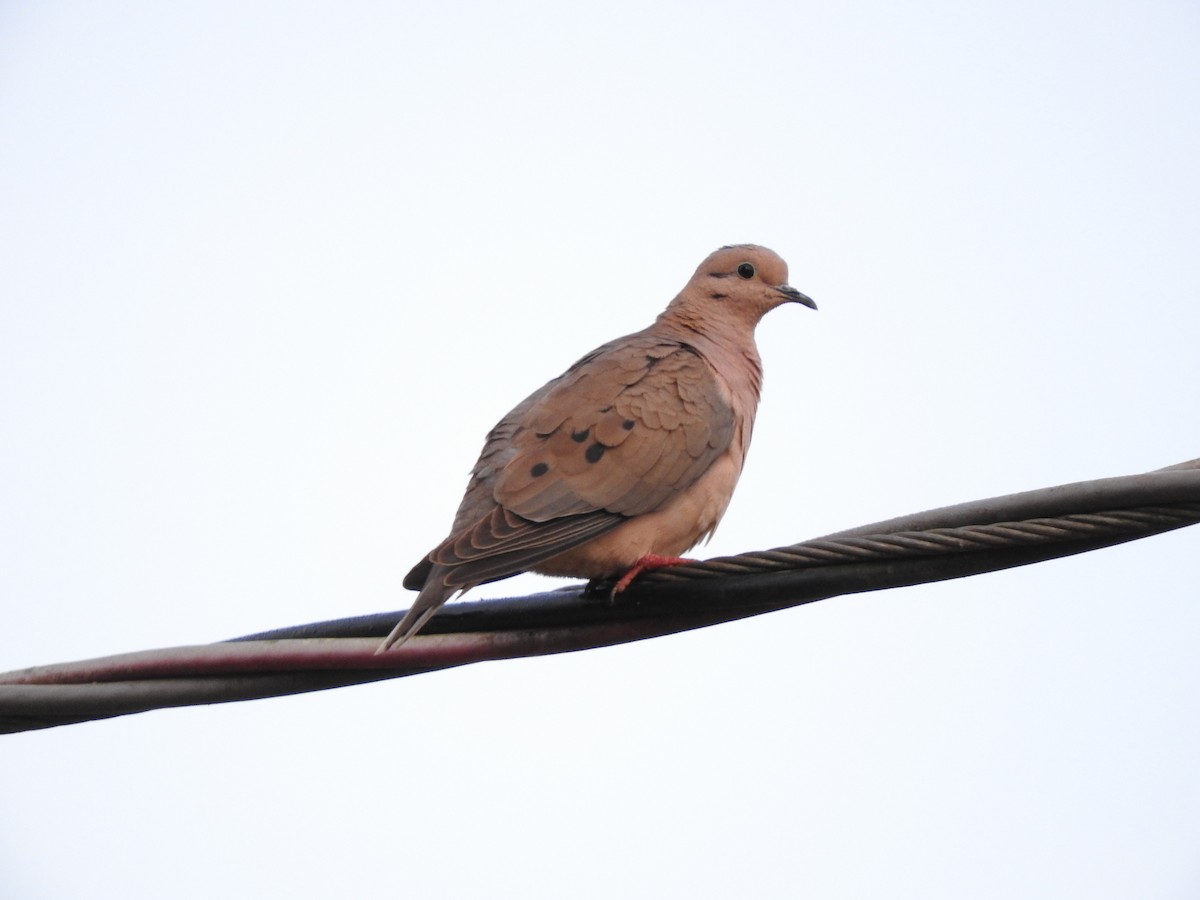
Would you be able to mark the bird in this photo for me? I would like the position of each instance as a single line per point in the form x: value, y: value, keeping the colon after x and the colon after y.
x: 626, y: 460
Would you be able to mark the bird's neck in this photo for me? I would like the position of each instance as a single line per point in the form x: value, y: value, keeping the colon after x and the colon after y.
x: 727, y: 342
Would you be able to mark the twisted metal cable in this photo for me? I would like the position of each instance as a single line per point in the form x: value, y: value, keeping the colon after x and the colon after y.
x: 936, y: 542
x: 934, y: 545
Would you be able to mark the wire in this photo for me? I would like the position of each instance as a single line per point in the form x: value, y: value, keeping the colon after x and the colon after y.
x: 937, y: 541
x: 952, y: 542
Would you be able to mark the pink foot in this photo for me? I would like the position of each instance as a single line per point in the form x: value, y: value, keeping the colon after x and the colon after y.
x: 647, y: 563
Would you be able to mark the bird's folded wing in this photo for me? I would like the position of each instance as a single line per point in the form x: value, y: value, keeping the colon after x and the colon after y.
x: 623, y: 431
x: 620, y: 434
x: 503, y: 544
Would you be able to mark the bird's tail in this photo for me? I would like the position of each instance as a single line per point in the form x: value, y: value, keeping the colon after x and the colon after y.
x: 429, y: 601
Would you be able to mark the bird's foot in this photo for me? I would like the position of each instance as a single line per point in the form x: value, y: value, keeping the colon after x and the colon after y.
x: 597, y: 588
x: 647, y: 563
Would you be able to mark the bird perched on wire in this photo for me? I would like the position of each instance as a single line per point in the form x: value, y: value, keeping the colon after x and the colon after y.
x: 627, y: 459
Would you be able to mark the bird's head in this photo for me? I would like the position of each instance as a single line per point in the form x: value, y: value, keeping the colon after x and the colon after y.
x: 743, y: 281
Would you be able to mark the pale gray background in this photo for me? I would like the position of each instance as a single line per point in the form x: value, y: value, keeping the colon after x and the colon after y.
x: 271, y: 270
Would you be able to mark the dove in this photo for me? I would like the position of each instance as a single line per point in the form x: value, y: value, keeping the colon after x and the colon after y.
x: 626, y: 460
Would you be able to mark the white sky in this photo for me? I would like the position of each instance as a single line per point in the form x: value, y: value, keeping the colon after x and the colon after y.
x: 270, y: 271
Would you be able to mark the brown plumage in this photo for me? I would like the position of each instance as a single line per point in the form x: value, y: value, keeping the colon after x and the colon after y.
x: 630, y: 455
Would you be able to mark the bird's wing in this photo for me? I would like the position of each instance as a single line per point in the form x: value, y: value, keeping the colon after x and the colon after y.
x: 620, y: 434
x: 624, y: 432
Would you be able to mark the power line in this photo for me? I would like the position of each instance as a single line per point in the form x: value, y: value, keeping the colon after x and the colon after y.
x: 952, y: 542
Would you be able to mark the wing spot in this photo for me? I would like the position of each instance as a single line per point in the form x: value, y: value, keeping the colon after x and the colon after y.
x: 579, y: 436
x: 594, y: 452
x: 628, y: 424
x: 539, y: 470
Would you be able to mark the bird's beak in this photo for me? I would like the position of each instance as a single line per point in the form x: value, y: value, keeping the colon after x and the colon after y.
x: 795, y: 296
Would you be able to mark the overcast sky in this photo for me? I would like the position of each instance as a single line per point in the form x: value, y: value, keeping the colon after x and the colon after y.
x: 271, y: 271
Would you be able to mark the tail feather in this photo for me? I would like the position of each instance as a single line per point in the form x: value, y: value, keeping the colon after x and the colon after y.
x: 428, y: 602
x: 415, y: 580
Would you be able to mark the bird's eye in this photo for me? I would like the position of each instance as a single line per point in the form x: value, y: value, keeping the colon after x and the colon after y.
x: 746, y: 270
